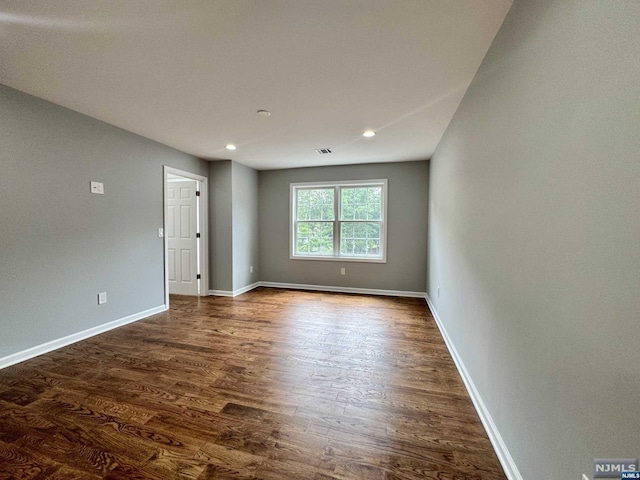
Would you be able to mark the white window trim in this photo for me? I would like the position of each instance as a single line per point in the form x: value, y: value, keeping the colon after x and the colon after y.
x: 338, y: 257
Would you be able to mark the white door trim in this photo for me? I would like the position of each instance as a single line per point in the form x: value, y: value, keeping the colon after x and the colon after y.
x: 204, y: 233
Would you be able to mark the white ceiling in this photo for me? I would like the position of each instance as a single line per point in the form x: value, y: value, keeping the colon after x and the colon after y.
x: 191, y: 74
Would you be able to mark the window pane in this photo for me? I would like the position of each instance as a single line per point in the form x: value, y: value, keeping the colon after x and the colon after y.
x: 374, y: 211
x: 314, y: 204
x: 314, y: 238
x: 361, y: 203
x: 360, y: 239
x: 302, y: 204
x: 315, y: 212
x: 347, y: 211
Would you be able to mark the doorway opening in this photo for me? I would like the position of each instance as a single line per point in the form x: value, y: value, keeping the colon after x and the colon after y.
x: 186, y: 259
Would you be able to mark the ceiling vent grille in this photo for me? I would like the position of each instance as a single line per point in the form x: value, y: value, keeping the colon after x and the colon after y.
x: 323, y: 151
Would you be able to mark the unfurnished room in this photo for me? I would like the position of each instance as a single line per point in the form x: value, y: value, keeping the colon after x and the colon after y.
x: 320, y: 240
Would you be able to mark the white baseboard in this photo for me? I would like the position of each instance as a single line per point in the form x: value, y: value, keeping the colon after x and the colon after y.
x: 506, y: 460
x: 242, y: 290
x: 221, y: 293
x: 330, y: 288
x: 235, y: 293
x: 75, y: 337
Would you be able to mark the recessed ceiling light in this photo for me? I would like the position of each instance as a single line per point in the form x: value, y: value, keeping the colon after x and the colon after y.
x: 264, y: 113
x: 369, y: 133
x: 230, y: 146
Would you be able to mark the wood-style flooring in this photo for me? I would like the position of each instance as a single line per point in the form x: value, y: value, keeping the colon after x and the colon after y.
x: 273, y: 384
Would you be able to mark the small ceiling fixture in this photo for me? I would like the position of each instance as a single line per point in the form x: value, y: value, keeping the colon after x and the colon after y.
x: 369, y: 133
x: 323, y: 151
x: 264, y: 113
x: 230, y: 146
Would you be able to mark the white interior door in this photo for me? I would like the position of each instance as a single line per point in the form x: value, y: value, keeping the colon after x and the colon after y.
x: 181, y: 231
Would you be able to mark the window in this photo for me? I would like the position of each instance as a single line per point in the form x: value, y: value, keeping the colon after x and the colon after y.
x: 339, y: 221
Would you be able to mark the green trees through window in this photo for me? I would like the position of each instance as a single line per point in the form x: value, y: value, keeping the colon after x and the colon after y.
x: 342, y: 220
x: 314, y: 235
x: 361, y: 235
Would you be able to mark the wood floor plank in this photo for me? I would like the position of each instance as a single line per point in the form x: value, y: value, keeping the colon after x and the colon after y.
x: 273, y: 384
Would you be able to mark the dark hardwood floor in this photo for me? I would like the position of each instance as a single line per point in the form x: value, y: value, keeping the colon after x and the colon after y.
x: 273, y: 384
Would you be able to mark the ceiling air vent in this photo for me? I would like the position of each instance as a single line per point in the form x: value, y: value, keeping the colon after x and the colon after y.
x: 323, y: 151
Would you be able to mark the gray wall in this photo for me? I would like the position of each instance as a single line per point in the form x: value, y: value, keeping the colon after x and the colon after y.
x: 534, y: 238
x: 220, y: 226
x: 61, y: 245
x: 407, y: 229
x: 233, y: 207
x: 245, y: 225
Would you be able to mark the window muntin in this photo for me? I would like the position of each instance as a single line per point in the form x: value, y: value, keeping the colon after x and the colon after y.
x: 339, y: 221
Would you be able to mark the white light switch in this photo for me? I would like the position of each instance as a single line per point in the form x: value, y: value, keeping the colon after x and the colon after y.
x: 97, y: 187
x: 161, y: 232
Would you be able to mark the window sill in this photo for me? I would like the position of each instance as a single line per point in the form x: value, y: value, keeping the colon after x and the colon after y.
x: 339, y: 259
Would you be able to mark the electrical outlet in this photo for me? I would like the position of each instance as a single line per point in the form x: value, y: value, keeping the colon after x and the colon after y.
x: 251, y: 269
x: 102, y: 298
x: 343, y: 271
x: 97, y: 187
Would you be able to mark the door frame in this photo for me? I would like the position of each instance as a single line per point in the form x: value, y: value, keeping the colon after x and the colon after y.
x: 203, y: 245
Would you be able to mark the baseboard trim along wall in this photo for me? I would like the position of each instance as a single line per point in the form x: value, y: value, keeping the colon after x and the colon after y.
x: 318, y: 288
x: 330, y: 288
x: 221, y: 293
x: 242, y: 290
x: 235, y: 293
x: 508, y: 464
x: 76, y: 337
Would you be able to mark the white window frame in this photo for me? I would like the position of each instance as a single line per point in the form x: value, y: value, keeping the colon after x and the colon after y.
x: 337, y: 257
